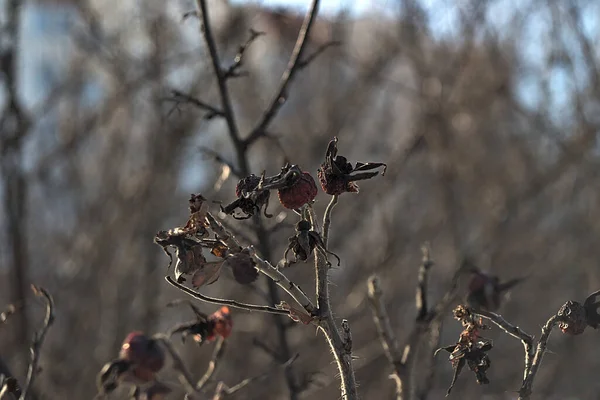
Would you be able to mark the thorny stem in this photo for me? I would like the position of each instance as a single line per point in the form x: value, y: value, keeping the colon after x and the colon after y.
x: 341, y: 349
x: 225, y: 302
x: 513, y: 331
x: 262, y: 266
x: 38, y: 340
x: 327, y: 218
x: 525, y: 391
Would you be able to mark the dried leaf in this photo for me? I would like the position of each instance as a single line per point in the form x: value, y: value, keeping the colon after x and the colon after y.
x: 296, y: 314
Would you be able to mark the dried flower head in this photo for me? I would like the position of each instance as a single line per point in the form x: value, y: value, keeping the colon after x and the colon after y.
x: 304, y: 242
x: 337, y: 175
x: 471, y: 348
x: 250, y: 198
x: 206, y: 328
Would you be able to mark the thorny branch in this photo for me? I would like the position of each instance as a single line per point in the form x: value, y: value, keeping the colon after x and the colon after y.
x: 341, y: 349
x: 180, y: 97
x: 38, y: 340
x: 514, y: 331
x: 262, y: 266
x: 225, y: 302
x: 185, y: 377
x: 526, y: 387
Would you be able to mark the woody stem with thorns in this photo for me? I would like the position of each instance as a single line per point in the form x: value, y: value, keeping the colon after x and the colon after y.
x: 341, y: 346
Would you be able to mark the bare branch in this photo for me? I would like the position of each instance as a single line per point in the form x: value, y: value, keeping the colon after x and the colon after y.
x: 238, y: 61
x: 226, y: 105
x: 185, y: 377
x: 514, y: 331
x: 180, y: 97
x: 220, y: 159
x: 217, y: 355
x: 306, y: 62
x: 525, y: 391
x: 223, y: 390
x: 225, y: 302
x: 386, y: 335
x: 287, y: 77
x: 38, y: 340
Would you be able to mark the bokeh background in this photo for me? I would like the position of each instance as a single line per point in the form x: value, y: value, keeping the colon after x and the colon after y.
x: 486, y: 111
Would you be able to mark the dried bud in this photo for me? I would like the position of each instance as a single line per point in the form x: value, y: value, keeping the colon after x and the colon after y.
x: 572, y: 318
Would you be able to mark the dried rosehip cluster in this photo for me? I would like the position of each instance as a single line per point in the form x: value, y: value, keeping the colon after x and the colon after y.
x: 295, y: 188
x: 336, y: 173
x: 206, y: 328
x: 140, y: 359
x: 575, y: 317
x: 471, y: 348
x: 304, y: 242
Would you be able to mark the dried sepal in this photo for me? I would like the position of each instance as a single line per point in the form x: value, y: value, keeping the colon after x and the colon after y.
x: 338, y: 176
x: 572, y: 318
x: 305, y: 242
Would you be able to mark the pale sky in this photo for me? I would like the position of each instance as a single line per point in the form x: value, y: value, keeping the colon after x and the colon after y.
x: 329, y: 6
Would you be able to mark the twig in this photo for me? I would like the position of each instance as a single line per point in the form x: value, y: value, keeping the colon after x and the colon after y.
x: 525, y: 391
x: 38, y: 340
x: 340, y: 349
x: 402, y: 361
x: 222, y: 389
x: 186, y: 98
x: 220, y: 159
x: 225, y: 302
x: 185, y: 377
x: 287, y: 77
x: 305, y: 63
x: 7, y: 313
x: 327, y: 218
x: 238, y: 61
x: 262, y: 265
x: 513, y: 331
x: 386, y: 334
x: 226, y: 105
x: 217, y: 355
